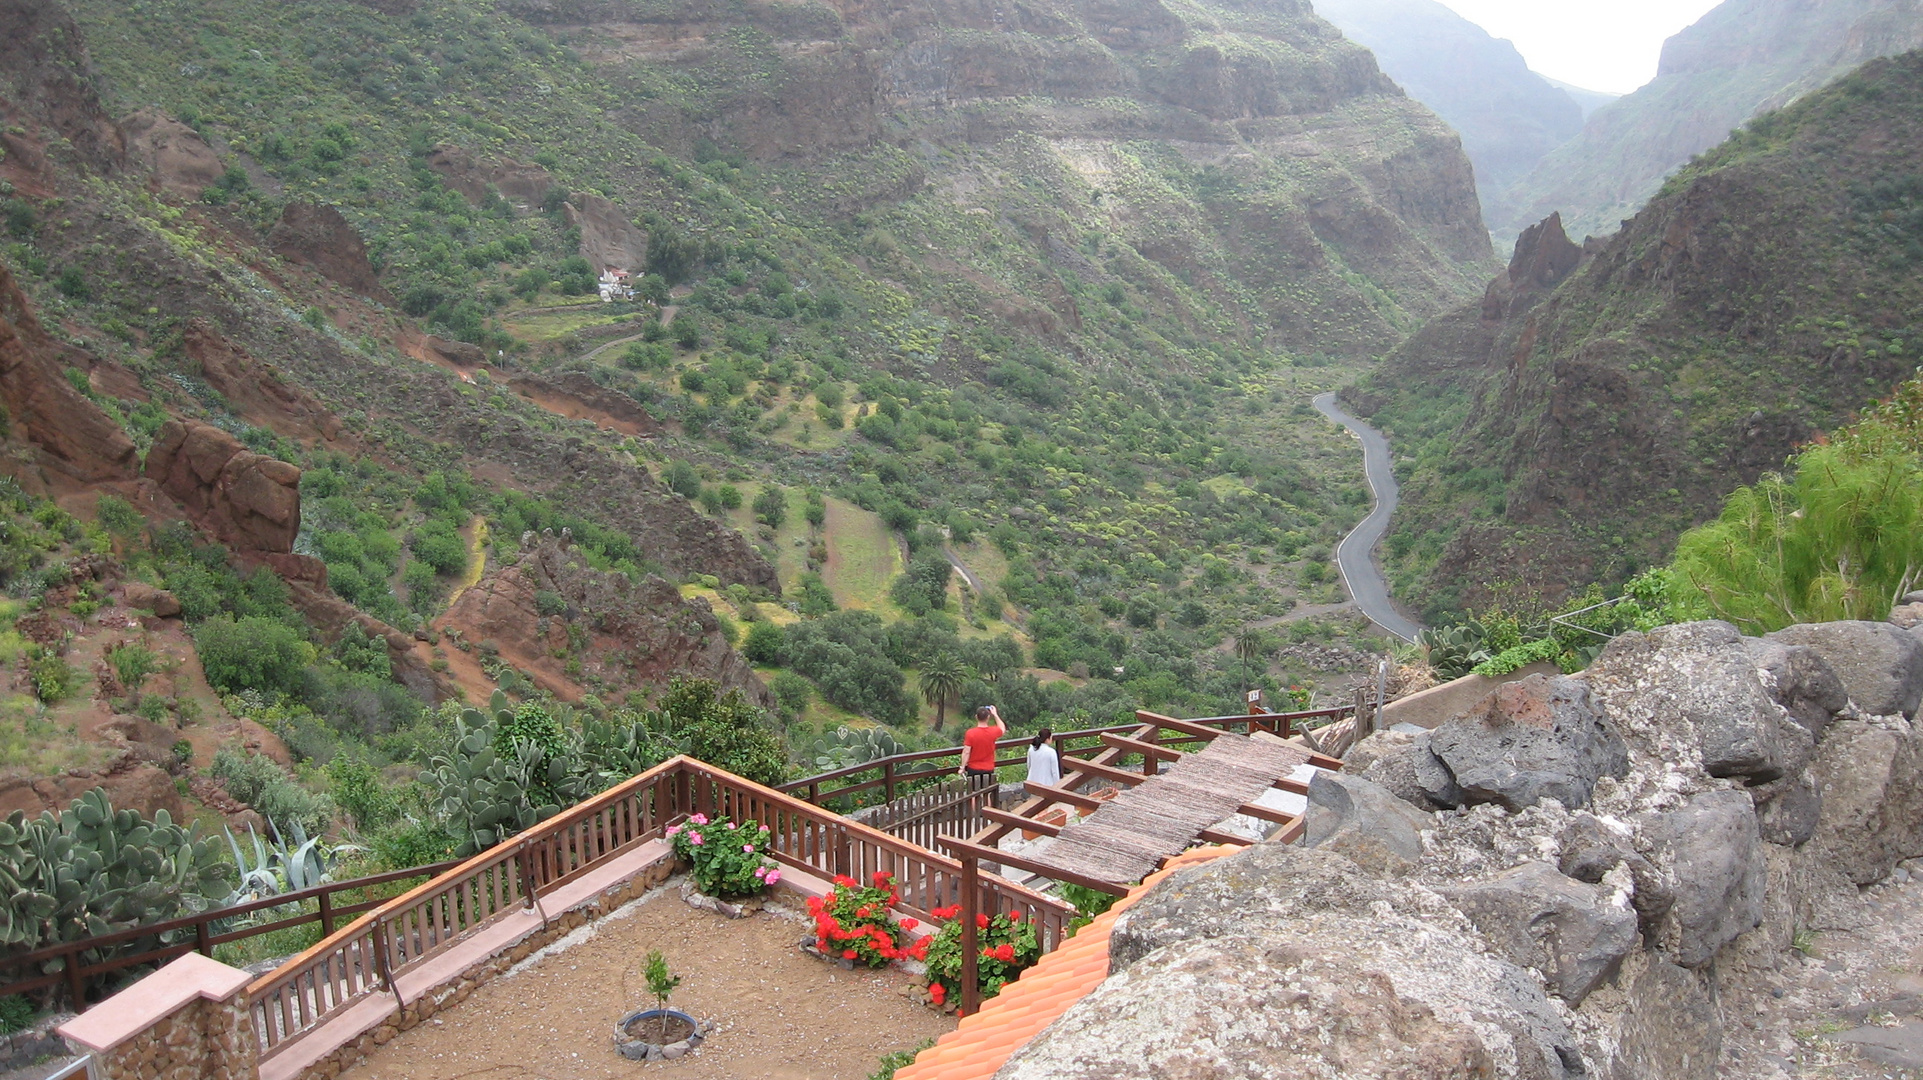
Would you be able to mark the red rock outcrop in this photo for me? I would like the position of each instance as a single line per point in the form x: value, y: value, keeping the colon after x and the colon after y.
x: 523, y: 184
x: 249, y: 501
x: 73, y: 436
x: 608, y: 238
x: 129, y: 783
x: 316, y: 235
x: 255, y: 389
x: 45, y: 74
x: 637, y: 634
x: 182, y: 162
x: 1544, y: 256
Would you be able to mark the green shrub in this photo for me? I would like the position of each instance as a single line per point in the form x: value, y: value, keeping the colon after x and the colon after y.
x: 1521, y: 656
x: 726, y: 859
x: 265, y: 786
x: 764, y: 643
x: 253, y: 653
x: 52, y: 677
x: 132, y: 664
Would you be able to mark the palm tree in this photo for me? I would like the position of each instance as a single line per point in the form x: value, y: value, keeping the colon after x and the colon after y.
x: 1251, y: 646
x: 941, y: 681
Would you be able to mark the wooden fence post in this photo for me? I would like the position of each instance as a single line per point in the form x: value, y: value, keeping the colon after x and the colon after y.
x: 327, y: 914
x: 971, y: 996
x: 75, y: 985
x: 888, y: 777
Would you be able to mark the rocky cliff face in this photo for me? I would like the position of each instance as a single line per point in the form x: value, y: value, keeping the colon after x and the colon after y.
x: 1316, y: 161
x: 1508, y: 115
x: 1743, y: 58
x: 1570, y: 427
x: 64, y: 433
x: 1612, y: 887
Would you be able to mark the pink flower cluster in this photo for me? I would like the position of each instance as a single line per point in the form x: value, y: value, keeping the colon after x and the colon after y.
x: 768, y: 874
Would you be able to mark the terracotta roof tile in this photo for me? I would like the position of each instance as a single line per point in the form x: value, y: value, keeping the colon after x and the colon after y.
x: 983, y: 1043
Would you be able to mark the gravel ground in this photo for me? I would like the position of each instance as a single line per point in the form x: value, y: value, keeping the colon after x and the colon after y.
x: 783, y: 1015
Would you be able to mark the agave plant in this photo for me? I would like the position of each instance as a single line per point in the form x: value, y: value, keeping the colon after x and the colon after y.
x: 289, y: 864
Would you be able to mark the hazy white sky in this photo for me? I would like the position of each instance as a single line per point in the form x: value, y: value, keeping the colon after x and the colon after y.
x: 1609, y: 45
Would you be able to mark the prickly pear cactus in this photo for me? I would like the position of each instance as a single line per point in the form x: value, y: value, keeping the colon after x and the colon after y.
x: 497, y: 782
x: 95, y: 870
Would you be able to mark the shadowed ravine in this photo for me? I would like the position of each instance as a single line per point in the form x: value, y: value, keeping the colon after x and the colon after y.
x: 1355, y: 555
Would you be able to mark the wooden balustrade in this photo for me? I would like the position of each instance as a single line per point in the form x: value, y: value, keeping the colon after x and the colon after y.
x: 365, y: 957
x: 75, y: 971
x: 892, y: 774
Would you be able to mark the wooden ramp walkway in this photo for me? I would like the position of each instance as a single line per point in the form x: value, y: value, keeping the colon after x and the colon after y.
x: 1123, y: 839
x: 1130, y: 836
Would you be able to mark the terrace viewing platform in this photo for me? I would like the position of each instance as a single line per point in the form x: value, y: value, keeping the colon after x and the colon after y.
x: 413, y: 959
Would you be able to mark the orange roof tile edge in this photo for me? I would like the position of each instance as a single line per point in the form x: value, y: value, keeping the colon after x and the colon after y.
x: 983, y: 1043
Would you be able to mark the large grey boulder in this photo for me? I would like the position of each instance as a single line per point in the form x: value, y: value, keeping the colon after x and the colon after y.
x: 1574, y: 933
x: 1688, y: 699
x: 1590, y: 850
x: 1801, y: 681
x: 1671, y: 1029
x: 1251, y: 1008
x: 1333, y: 938
x: 1871, y: 815
x: 1540, y: 738
x: 1388, y: 758
x: 1712, y: 855
x: 1880, y: 665
x: 1365, y: 821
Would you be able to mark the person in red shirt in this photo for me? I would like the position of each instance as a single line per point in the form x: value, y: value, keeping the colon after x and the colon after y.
x: 978, y: 764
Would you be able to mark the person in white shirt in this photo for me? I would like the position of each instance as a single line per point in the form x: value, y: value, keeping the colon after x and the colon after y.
x: 1044, y: 764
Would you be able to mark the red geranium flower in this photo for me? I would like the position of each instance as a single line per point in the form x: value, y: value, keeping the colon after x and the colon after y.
x: 1014, y: 916
x: 1005, y: 953
x: 882, y: 877
x: 849, y: 954
x: 910, y: 924
x: 981, y: 921
x: 937, y: 993
x: 863, y: 912
x: 846, y: 882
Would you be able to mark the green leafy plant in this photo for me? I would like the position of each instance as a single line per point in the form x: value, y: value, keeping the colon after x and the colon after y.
x: 857, y: 922
x: 132, y: 663
x: 16, y: 1014
x: 899, y: 1059
x: 727, y: 859
x: 52, y: 677
x: 661, y: 983
x: 1007, y: 943
x: 1089, y: 903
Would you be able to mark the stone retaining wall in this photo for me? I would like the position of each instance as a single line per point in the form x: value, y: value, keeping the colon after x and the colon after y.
x: 202, y: 1040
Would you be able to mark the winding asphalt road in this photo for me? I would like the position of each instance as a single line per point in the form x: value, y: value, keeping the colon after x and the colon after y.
x: 1355, y: 555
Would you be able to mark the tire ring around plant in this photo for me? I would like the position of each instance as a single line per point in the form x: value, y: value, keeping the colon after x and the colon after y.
x: 643, y: 1050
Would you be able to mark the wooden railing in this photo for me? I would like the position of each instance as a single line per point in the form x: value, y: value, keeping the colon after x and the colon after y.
x: 889, y: 776
x: 75, y: 970
x: 365, y: 957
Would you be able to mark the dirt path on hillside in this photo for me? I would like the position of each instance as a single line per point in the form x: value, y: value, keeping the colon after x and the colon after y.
x: 784, y: 1016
